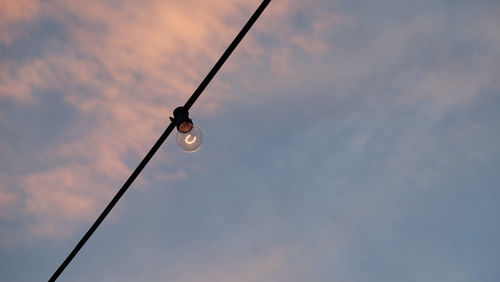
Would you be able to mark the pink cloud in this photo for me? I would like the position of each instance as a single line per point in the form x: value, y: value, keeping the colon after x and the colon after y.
x: 264, y: 265
x: 59, y: 197
x: 123, y: 68
x: 13, y: 14
x: 134, y: 62
x: 8, y: 199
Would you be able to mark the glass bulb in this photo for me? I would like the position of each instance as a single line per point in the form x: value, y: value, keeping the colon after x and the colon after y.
x: 190, y: 141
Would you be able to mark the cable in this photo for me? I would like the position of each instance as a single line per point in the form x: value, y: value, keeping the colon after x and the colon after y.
x: 160, y: 141
x: 226, y: 54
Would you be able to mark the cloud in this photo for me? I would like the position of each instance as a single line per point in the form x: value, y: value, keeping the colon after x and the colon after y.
x: 122, y: 69
x: 372, y: 122
x: 14, y: 14
x: 266, y: 264
x: 8, y: 199
x: 59, y: 196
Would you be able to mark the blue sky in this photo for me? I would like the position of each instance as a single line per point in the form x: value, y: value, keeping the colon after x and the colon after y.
x: 343, y: 141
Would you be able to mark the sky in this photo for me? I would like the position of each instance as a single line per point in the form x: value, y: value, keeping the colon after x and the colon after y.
x: 343, y: 140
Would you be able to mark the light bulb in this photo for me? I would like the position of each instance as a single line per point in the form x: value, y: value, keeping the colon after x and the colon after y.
x: 190, y: 141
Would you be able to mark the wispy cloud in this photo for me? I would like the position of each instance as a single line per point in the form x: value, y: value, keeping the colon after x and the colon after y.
x: 121, y: 68
x: 8, y: 199
x: 337, y: 132
x: 14, y: 16
x: 266, y: 264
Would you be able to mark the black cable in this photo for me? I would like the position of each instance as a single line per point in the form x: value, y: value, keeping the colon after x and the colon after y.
x: 113, y: 202
x: 226, y: 55
x: 160, y: 141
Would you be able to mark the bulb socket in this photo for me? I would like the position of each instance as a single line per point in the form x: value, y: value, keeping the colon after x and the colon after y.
x: 181, y: 118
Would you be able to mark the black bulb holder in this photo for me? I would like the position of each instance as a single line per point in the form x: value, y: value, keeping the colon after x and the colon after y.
x: 182, y: 121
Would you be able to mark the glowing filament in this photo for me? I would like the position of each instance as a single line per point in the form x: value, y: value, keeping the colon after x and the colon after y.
x: 189, y: 142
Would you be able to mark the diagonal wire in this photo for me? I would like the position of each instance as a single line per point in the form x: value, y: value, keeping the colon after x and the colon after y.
x: 226, y: 54
x: 162, y: 139
x: 113, y: 202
